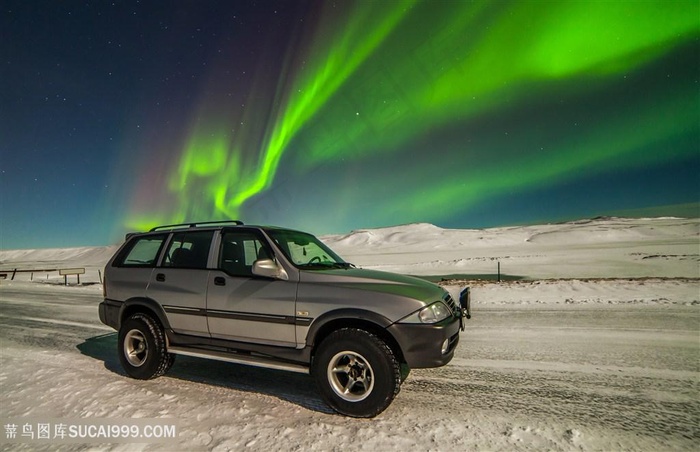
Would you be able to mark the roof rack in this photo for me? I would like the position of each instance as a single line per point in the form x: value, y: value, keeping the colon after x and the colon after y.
x: 196, y: 225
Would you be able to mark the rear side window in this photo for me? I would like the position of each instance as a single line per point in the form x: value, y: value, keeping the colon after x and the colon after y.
x: 189, y: 250
x: 141, y: 252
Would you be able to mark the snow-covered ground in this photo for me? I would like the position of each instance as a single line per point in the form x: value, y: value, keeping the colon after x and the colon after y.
x: 597, y: 348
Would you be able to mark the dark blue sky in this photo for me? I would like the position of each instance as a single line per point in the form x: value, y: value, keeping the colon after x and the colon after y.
x: 329, y: 117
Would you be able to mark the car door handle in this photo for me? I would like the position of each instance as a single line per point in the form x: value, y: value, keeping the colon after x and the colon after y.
x: 160, y: 277
x: 219, y: 281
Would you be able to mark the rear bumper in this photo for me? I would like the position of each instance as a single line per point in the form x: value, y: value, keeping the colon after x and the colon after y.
x: 421, y: 344
x: 109, y: 313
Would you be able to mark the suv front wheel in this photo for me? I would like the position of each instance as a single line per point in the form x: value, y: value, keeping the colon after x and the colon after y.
x: 142, y: 351
x: 357, y: 372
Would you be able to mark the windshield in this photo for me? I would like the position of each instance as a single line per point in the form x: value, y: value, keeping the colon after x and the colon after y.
x: 306, y: 251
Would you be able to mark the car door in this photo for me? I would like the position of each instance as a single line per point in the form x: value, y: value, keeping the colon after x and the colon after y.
x: 245, y: 307
x: 179, y: 283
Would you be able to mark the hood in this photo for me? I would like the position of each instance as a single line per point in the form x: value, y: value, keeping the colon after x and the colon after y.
x: 375, y: 281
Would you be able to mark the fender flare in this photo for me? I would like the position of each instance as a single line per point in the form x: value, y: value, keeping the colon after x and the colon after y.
x: 346, y: 314
x: 147, y: 303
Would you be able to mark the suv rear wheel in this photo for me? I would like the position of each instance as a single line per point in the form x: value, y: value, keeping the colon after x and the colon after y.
x: 142, y: 351
x: 357, y: 373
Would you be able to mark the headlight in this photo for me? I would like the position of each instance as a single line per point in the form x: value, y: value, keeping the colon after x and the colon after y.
x: 434, y: 313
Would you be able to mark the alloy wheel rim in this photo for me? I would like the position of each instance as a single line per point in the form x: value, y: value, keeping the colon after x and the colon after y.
x: 351, y: 376
x: 135, y: 348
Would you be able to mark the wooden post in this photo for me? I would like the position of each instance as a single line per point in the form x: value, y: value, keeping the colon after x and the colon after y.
x: 499, y: 271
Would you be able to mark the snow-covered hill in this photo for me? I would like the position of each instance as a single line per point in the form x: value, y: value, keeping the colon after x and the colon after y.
x: 597, y: 248
x: 43, y: 258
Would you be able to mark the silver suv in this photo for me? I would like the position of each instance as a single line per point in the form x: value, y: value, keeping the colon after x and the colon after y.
x: 278, y: 298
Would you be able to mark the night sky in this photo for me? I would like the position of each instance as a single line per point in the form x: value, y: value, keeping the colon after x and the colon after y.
x: 332, y: 116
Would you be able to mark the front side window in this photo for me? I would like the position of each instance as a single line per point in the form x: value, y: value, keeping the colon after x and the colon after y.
x: 239, y: 250
x: 189, y: 250
x: 305, y: 250
x: 141, y: 252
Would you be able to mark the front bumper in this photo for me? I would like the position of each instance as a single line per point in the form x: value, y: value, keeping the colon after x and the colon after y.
x: 421, y: 344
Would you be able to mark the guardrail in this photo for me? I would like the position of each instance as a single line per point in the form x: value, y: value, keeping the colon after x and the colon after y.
x: 65, y: 272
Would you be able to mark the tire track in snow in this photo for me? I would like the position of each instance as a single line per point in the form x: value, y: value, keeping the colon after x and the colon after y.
x: 649, y: 406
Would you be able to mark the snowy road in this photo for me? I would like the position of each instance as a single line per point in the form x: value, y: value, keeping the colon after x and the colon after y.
x: 554, y: 376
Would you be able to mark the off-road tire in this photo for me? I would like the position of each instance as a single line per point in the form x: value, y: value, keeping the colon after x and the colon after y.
x: 356, y: 372
x: 141, y: 348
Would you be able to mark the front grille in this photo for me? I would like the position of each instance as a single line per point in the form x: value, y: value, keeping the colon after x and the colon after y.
x: 452, y: 305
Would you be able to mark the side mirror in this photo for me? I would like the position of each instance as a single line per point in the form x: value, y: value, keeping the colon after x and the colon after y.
x: 269, y: 269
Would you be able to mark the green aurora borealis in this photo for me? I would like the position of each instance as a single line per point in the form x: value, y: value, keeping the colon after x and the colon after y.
x: 381, y: 113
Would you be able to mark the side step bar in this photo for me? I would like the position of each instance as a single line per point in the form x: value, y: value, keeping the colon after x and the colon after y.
x: 257, y: 361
